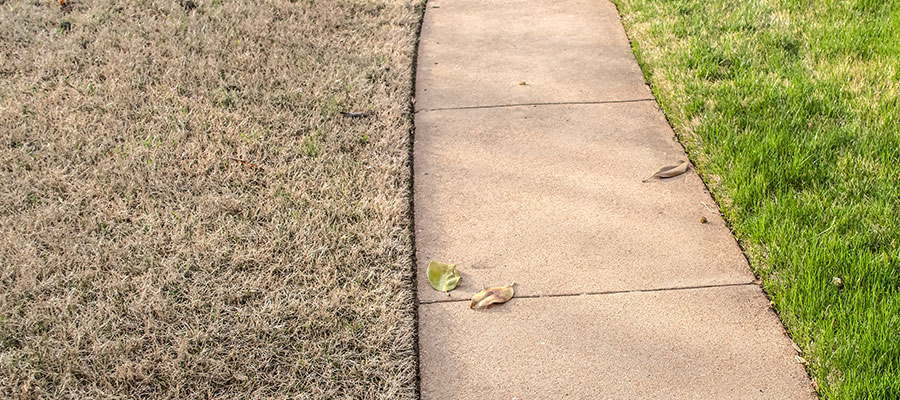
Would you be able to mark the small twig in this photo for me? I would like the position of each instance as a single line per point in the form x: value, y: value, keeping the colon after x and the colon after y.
x: 66, y: 82
x: 357, y: 114
x: 707, y: 208
x: 826, y: 230
x: 247, y: 163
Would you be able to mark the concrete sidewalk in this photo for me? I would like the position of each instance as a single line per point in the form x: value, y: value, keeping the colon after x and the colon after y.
x: 621, y: 291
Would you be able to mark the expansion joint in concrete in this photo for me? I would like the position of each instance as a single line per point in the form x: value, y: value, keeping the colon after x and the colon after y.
x: 558, y: 103
x: 602, y: 293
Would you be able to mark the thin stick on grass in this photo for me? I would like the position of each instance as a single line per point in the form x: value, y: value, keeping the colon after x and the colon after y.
x: 246, y: 163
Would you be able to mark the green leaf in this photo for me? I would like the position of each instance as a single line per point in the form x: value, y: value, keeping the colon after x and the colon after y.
x: 442, y: 276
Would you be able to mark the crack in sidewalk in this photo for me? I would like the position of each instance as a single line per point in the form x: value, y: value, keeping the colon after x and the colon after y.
x: 664, y: 289
x: 561, y: 103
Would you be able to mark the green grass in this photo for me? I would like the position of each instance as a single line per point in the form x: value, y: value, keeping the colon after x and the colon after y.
x: 791, y: 111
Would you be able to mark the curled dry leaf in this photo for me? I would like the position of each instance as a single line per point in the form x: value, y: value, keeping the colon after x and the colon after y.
x: 669, y: 171
x: 492, y: 295
x: 443, y: 277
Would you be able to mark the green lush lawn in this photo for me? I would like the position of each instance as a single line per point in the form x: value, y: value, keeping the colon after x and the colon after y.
x: 791, y: 111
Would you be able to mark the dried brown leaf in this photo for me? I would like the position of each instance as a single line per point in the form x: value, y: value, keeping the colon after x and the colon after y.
x: 492, y: 295
x: 669, y: 171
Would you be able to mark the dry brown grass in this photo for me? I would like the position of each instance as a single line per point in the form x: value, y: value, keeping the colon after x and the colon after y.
x: 185, y: 213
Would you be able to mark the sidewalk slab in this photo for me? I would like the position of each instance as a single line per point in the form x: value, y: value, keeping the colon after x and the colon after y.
x: 621, y: 291
x: 476, y: 52
x: 713, y: 343
x: 551, y: 198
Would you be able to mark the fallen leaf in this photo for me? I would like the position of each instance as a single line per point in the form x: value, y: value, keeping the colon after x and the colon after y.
x: 703, y: 220
x: 522, y: 83
x: 669, y: 171
x: 492, y: 295
x: 443, y: 277
x: 837, y: 282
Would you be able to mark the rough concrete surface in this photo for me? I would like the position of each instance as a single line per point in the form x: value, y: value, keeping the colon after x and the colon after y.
x: 476, y: 52
x: 719, y: 343
x: 621, y: 291
x: 551, y: 197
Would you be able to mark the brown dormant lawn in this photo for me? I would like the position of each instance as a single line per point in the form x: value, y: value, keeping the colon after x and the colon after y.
x: 184, y: 211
